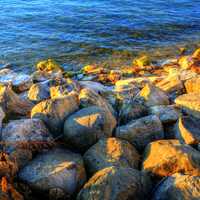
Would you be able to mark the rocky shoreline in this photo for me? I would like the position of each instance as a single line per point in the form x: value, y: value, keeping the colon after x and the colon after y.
x: 100, y: 133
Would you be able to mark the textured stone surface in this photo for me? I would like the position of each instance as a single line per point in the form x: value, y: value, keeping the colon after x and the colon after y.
x: 193, y: 85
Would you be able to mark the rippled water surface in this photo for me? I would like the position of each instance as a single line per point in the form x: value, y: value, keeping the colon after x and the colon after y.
x: 77, y: 32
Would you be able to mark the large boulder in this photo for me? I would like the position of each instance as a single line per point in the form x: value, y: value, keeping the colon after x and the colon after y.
x: 153, y: 96
x: 56, y: 169
x: 178, y: 187
x: 188, y: 130
x: 110, y: 152
x: 193, y: 85
x: 116, y: 183
x: 22, y: 137
x: 142, y: 131
x: 54, y: 111
x: 85, y: 127
x: 190, y: 103
x: 166, y: 157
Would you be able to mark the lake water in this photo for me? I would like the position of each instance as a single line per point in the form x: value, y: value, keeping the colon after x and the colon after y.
x: 78, y: 32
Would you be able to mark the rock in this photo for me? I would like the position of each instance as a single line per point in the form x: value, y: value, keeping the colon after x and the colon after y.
x: 185, y: 62
x: 166, y: 114
x: 166, y: 157
x: 142, y: 131
x: 178, y: 187
x: 188, y: 130
x: 116, y: 183
x: 11, y: 102
x: 54, y: 111
x: 85, y: 127
x: 190, y: 103
x: 25, y: 135
x: 39, y: 91
x: 141, y: 61
x: 19, y: 81
x: 153, y: 96
x: 2, y: 116
x: 193, y: 85
x: 110, y: 152
x: 57, y: 168
x: 196, y: 54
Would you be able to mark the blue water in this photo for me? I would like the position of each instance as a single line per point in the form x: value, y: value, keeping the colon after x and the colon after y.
x: 78, y: 32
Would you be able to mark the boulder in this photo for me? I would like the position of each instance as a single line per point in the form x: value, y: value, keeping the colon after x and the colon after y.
x: 116, y: 183
x: 193, y: 85
x: 56, y: 169
x: 190, y: 103
x: 166, y: 114
x: 22, y: 137
x: 11, y: 102
x: 83, y: 128
x: 188, y: 130
x: 142, y: 131
x: 178, y: 187
x: 54, y: 111
x: 110, y: 152
x: 153, y: 96
x: 166, y: 157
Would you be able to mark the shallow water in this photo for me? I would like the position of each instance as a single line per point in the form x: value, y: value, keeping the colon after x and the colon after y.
x: 78, y: 32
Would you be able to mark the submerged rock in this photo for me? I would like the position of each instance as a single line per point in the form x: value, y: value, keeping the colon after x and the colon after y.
x: 178, y: 187
x: 56, y: 169
x: 142, y: 131
x: 166, y: 157
x: 116, y: 183
x: 85, y: 127
x: 111, y: 152
x: 54, y: 111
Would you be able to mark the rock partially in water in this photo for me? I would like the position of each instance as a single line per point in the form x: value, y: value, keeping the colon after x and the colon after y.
x: 190, y: 103
x: 56, y: 169
x: 188, y: 130
x: 166, y: 114
x: 166, y: 157
x: 54, y: 111
x: 116, y: 183
x: 111, y: 152
x: 193, y: 85
x: 178, y: 187
x: 85, y: 127
x: 142, y: 131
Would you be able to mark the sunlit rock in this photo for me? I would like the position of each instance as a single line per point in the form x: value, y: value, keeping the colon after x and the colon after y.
x: 116, y: 183
x: 193, y: 85
x: 166, y: 157
x: 185, y: 62
x: 196, y: 54
x: 141, y: 61
x: 85, y: 127
x: 56, y: 169
x: 142, y: 131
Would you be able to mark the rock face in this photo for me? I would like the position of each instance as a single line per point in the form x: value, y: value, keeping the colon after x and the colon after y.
x: 22, y: 137
x: 142, y: 131
x: 190, y: 103
x: 166, y: 114
x: 116, y: 183
x: 188, y: 130
x: 85, y: 127
x: 166, y: 157
x: 178, y: 187
x: 193, y: 85
x: 111, y: 152
x: 54, y: 111
x: 56, y: 169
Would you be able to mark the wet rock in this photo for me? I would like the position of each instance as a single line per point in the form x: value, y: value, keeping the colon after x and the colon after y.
x: 190, y: 103
x: 142, y: 131
x: 111, y: 152
x: 178, y: 187
x: 22, y: 137
x: 116, y: 183
x: 57, y: 168
x: 153, y: 96
x: 54, y: 111
x: 166, y: 157
x: 85, y: 127
x: 39, y: 91
x: 166, y: 114
x: 11, y: 102
x: 193, y: 85
x: 188, y: 130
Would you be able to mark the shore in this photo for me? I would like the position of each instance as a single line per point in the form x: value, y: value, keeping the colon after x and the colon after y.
x: 101, y: 133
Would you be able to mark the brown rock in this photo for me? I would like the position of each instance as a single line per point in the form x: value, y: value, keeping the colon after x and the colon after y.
x: 193, y: 85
